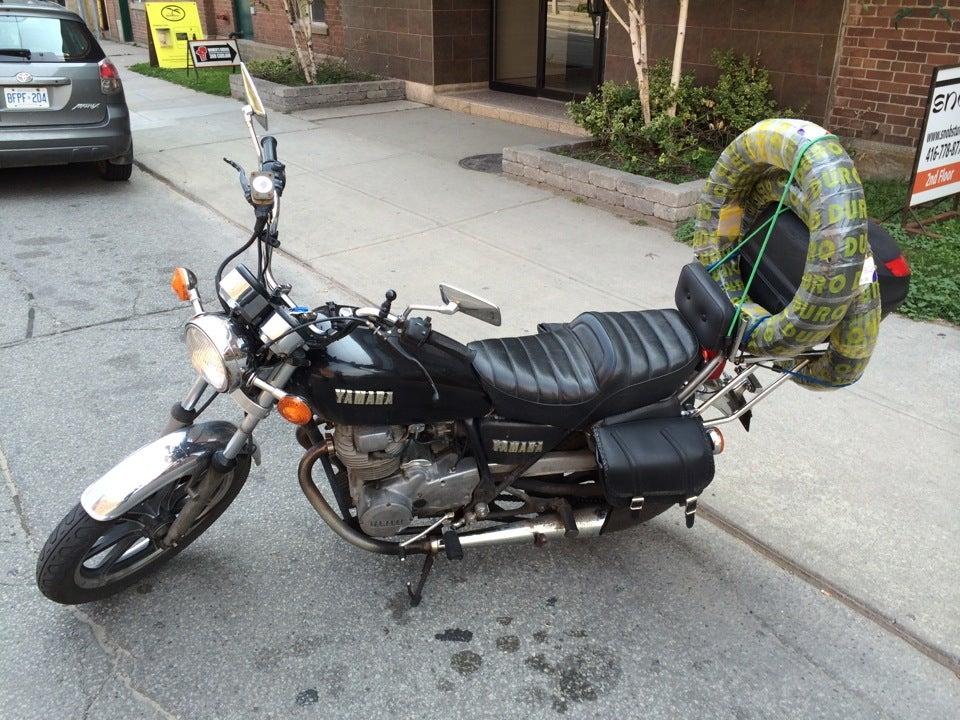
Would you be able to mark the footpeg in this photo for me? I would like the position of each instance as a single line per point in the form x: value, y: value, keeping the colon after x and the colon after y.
x: 691, y: 510
x: 565, y: 510
x: 451, y: 545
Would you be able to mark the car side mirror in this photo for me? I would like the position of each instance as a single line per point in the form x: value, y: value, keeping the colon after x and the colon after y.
x: 470, y: 304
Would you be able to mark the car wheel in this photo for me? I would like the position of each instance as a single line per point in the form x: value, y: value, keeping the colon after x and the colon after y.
x: 112, y: 171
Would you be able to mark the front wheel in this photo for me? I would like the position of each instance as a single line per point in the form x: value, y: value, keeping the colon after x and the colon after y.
x: 85, y: 559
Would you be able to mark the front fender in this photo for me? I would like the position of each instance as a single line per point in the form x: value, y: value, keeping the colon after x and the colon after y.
x: 143, y: 472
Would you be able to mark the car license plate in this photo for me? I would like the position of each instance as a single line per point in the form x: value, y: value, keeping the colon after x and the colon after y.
x: 26, y: 98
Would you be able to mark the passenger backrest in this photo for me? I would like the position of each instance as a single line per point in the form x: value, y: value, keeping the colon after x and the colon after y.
x: 705, y: 307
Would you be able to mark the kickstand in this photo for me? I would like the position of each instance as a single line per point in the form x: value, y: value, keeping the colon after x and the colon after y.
x: 417, y: 595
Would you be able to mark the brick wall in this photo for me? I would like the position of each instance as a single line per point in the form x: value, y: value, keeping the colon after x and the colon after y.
x: 461, y: 30
x: 114, y: 31
x: 138, y: 20
x: 796, y: 40
x: 217, y: 17
x: 393, y: 38
x: 884, y: 72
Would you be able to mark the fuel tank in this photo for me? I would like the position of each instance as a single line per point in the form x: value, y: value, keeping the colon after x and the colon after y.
x: 361, y: 380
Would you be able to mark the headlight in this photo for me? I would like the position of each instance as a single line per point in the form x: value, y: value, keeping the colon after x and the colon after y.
x: 217, y: 351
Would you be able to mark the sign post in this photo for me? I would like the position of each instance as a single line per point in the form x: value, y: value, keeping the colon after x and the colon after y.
x: 214, y: 53
x: 936, y: 169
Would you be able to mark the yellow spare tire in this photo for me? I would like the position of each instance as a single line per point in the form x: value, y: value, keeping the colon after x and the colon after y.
x: 838, y: 297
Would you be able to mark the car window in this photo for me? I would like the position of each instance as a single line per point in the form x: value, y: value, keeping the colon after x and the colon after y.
x: 48, y: 39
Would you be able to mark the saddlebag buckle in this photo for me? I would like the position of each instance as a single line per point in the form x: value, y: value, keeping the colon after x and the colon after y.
x: 690, y: 510
x: 637, y: 503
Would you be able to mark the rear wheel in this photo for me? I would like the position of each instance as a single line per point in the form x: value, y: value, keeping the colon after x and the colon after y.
x: 114, y: 172
x: 85, y: 559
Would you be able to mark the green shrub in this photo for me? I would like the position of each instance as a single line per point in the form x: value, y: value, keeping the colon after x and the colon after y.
x: 285, y: 70
x: 740, y: 99
x: 706, y: 120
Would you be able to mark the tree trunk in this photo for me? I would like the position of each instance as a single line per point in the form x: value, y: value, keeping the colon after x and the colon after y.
x: 298, y: 17
x: 678, y: 53
x: 638, y: 43
x: 635, y: 25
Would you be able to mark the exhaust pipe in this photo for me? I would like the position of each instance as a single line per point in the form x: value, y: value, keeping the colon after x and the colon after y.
x: 589, y: 521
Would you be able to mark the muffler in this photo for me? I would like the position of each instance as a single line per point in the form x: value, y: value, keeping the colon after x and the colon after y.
x: 589, y: 521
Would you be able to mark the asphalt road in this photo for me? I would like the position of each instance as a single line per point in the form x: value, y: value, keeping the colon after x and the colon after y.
x: 268, y: 615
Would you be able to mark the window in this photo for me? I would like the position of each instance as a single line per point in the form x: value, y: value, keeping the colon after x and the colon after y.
x: 318, y: 11
x: 46, y: 39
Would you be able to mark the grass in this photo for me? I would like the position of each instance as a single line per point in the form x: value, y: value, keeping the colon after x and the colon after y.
x: 213, y: 81
x: 935, y: 262
x: 283, y: 70
x: 647, y: 165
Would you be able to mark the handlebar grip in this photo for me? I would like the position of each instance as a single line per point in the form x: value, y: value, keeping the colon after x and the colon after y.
x: 269, y: 145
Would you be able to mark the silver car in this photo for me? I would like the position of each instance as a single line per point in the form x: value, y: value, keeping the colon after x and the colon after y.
x: 61, y: 99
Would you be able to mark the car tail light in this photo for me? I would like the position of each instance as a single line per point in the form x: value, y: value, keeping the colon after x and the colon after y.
x: 109, y: 78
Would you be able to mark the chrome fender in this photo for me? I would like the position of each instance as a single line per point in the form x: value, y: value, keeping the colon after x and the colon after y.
x: 183, y: 452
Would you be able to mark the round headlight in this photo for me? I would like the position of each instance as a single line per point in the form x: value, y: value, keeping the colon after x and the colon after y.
x: 217, y: 351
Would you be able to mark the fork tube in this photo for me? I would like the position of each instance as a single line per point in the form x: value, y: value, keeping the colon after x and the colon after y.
x: 184, y: 412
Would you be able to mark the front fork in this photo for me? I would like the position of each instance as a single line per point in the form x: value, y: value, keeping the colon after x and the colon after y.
x: 223, y: 461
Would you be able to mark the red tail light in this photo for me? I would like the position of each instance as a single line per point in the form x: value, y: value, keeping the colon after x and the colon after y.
x: 709, y: 355
x: 109, y: 78
x: 898, y: 266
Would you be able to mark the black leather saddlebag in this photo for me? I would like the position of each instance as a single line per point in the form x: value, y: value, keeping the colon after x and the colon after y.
x: 664, y: 457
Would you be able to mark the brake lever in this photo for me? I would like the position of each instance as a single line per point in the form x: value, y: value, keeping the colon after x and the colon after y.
x: 244, y: 182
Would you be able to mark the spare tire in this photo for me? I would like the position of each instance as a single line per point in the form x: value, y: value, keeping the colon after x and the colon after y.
x: 837, y: 299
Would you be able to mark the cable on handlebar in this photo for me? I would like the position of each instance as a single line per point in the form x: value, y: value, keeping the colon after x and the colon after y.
x: 257, y: 230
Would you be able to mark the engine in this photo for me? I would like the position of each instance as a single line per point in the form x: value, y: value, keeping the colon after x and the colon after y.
x: 400, y: 472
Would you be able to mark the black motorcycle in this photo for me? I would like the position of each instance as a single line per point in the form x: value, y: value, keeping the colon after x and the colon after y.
x: 429, y: 446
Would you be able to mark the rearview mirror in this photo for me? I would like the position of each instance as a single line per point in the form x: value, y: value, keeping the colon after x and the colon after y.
x: 470, y: 304
x: 253, y: 97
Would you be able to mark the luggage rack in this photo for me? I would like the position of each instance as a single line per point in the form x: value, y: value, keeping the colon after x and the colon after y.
x: 746, y: 367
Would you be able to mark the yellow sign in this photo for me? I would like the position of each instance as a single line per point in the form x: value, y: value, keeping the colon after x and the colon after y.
x: 172, y: 26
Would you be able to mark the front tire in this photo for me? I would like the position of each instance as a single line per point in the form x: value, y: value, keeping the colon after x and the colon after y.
x: 127, y: 546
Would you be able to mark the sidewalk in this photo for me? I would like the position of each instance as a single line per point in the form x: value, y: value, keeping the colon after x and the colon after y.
x: 854, y: 486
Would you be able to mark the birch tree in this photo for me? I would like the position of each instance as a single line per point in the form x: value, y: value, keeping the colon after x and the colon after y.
x: 298, y: 16
x: 678, y: 53
x: 634, y: 22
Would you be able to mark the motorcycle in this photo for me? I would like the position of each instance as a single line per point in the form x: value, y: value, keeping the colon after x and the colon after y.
x: 429, y: 446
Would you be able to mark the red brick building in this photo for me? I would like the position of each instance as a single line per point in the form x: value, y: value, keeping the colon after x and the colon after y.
x: 861, y: 67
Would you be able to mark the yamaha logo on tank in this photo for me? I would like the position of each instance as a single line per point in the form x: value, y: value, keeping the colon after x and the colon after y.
x: 363, y: 397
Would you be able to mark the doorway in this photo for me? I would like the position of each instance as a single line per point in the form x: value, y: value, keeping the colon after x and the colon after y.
x: 552, y: 48
x: 243, y: 20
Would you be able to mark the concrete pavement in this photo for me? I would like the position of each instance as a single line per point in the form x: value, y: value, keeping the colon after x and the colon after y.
x: 269, y: 615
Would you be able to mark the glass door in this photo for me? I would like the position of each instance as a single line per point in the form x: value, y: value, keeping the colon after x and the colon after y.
x: 516, y: 45
x: 570, y: 48
x: 552, y: 48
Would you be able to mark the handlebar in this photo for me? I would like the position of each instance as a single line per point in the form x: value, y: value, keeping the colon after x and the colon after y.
x: 269, y: 145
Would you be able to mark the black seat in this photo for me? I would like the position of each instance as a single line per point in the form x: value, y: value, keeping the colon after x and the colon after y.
x: 598, y: 365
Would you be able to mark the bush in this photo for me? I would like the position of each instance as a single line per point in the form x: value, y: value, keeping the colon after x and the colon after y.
x: 740, y: 99
x: 285, y: 70
x: 707, y: 118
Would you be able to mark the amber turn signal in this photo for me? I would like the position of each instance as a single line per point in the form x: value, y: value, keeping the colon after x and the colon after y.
x: 294, y: 410
x: 180, y: 283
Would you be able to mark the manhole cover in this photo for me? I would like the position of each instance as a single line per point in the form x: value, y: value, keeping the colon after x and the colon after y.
x: 489, y: 163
